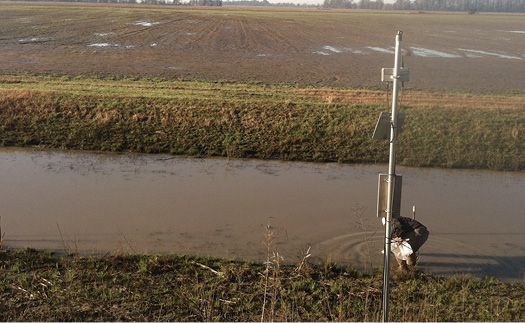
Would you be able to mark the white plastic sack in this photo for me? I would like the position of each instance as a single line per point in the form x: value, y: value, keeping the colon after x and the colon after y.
x: 401, y: 249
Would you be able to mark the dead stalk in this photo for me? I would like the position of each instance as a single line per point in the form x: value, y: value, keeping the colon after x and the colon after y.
x: 304, y: 259
x: 127, y: 242
x: 268, y: 243
x: 218, y: 273
x: 64, y: 245
x: 273, y: 261
x: 358, y: 211
x: 1, y: 235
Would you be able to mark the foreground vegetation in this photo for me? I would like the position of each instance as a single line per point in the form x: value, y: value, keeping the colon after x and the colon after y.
x: 259, y: 121
x: 41, y: 286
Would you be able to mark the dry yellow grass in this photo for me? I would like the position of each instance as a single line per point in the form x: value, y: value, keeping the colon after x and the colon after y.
x: 416, y: 98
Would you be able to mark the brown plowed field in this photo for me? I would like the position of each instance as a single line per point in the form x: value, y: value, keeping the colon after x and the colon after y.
x: 292, y: 46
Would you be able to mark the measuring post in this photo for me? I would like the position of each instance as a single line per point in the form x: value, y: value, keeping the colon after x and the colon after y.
x: 396, y: 76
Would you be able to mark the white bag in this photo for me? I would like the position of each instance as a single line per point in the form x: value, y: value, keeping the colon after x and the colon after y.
x: 401, y: 249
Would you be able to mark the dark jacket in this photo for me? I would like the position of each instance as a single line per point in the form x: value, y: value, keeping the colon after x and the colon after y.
x: 402, y: 227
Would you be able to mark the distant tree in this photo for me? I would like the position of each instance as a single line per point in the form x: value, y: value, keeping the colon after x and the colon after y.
x: 206, y: 2
x: 379, y: 4
x: 470, y: 6
x: 338, y: 4
x: 402, y: 5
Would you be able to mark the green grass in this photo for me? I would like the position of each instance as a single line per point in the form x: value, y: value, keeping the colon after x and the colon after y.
x: 41, y: 286
x: 200, y: 119
x: 251, y: 121
x: 465, y: 138
x: 156, y: 88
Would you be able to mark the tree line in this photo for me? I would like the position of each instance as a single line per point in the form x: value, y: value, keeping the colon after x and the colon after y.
x: 471, y: 6
x: 154, y: 2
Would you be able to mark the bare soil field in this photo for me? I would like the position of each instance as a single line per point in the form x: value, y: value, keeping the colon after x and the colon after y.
x: 335, y: 48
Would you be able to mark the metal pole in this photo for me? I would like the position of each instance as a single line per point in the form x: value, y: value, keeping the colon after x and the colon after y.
x: 391, y: 176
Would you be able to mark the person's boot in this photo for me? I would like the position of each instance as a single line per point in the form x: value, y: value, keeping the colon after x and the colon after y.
x: 402, y: 265
x: 412, y: 260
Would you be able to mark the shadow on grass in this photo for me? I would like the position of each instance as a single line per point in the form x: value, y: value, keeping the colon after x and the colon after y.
x: 507, y: 269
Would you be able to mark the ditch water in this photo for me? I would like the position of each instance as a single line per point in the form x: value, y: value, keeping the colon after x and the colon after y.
x: 98, y: 203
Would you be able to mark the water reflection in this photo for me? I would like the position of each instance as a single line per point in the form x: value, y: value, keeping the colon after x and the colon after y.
x: 94, y: 202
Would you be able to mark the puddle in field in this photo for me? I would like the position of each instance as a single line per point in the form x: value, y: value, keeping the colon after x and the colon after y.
x: 35, y: 40
x: 103, y: 45
x: 415, y: 51
x: 482, y: 52
x: 387, y: 50
x: 424, y: 52
x: 107, y: 45
x: 104, y: 34
x: 334, y: 49
x: 93, y: 202
x: 146, y: 23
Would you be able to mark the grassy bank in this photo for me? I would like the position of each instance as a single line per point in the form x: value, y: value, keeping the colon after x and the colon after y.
x: 258, y: 121
x: 40, y: 286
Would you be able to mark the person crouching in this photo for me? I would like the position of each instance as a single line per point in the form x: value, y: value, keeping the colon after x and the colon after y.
x: 407, y: 230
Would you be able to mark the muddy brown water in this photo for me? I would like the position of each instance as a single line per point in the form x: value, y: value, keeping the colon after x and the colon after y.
x: 98, y: 203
